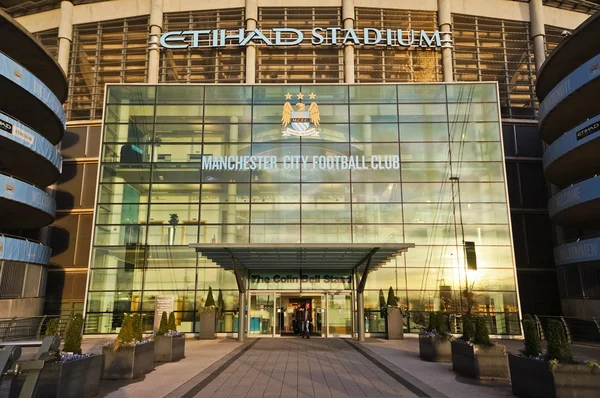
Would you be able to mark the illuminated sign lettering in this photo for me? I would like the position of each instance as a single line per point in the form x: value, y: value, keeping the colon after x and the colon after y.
x: 292, y: 37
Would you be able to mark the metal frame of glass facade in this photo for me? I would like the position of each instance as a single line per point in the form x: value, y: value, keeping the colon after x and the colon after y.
x: 154, y: 139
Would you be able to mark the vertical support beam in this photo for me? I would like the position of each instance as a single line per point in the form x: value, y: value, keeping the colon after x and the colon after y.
x: 242, y: 317
x: 445, y: 26
x: 65, y: 34
x: 348, y: 22
x: 251, y: 21
x: 360, y: 302
x: 156, y: 27
x: 538, y: 32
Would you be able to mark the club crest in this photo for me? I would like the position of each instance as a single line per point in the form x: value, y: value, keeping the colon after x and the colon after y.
x: 301, y: 118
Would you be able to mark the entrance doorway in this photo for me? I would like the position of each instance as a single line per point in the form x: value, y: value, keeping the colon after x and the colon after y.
x: 275, y: 314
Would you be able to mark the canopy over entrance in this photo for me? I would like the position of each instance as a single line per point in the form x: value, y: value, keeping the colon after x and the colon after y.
x: 299, y: 256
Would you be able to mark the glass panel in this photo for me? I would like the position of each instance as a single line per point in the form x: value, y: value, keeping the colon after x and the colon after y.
x: 129, y: 113
x: 471, y: 92
x: 228, y: 113
x: 170, y: 133
x: 275, y: 193
x: 470, y: 112
x: 179, y: 114
x: 285, y: 233
x: 261, y: 314
x: 225, y: 94
x: 374, y: 132
x: 128, y: 132
x: 275, y: 214
x: 378, y: 233
x: 373, y: 113
x: 326, y: 192
x: 326, y: 233
x: 377, y: 213
x: 175, y: 193
x: 373, y: 94
x: 422, y: 113
x: 421, y: 93
x: 131, y: 94
x: 326, y: 213
x: 227, y: 133
x: 475, y: 131
x: 121, y: 214
x: 424, y: 132
x: 339, y: 317
x: 180, y: 94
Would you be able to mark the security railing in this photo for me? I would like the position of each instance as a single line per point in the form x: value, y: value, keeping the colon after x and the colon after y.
x: 23, y: 328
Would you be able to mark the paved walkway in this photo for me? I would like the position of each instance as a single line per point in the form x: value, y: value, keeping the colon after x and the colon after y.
x: 319, y: 367
x: 272, y: 368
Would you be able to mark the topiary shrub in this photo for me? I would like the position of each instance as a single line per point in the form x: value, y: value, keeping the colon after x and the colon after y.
x: 171, y: 325
x: 468, y: 328
x: 392, y: 300
x: 163, y: 327
x: 382, y: 304
x: 136, y: 323
x: 53, y: 327
x: 126, y: 333
x: 533, y: 347
x: 558, y: 348
x: 431, y: 323
x: 73, y: 334
x: 482, y: 335
x: 210, y: 301
x: 440, y: 323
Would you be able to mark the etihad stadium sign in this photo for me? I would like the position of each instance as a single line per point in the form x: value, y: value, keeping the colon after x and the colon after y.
x: 292, y: 37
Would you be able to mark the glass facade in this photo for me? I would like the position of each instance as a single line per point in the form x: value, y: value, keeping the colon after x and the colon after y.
x: 151, y: 172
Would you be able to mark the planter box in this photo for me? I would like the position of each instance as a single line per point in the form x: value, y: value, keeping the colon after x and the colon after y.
x: 532, y: 378
x: 169, y: 348
x: 128, y: 362
x: 78, y: 378
x: 479, y: 362
x: 395, y: 323
x: 206, y: 331
x: 433, y: 349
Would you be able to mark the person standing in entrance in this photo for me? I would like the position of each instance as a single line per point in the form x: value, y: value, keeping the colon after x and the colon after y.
x: 307, y: 321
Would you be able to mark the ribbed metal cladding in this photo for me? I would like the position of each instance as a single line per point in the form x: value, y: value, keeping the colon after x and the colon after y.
x: 203, y: 65
x: 11, y: 282
x: 383, y: 64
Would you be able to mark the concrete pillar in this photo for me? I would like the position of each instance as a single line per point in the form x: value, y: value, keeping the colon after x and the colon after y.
x: 65, y: 34
x: 348, y: 22
x: 445, y: 26
x: 538, y: 32
x: 251, y: 21
x: 360, y: 312
x: 156, y: 28
x: 242, y: 317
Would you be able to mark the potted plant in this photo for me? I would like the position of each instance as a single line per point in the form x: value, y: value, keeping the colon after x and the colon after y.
x: 207, y: 317
x: 129, y: 356
x: 169, y: 344
x: 72, y: 374
x: 395, y: 323
x: 53, y: 327
x: 434, y: 342
x: 556, y: 374
x: 383, y: 311
x: 479, y: 358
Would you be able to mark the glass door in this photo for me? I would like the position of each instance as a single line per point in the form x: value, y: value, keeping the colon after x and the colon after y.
x: 261, y: 314
x: 339, y: 315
